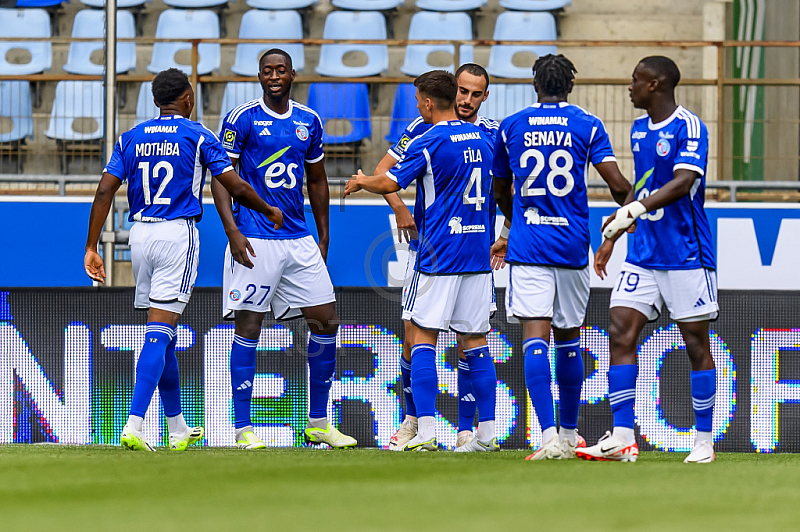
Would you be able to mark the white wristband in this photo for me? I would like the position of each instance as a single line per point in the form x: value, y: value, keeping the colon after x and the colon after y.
x: 504, y: 232
x: 624, y: 218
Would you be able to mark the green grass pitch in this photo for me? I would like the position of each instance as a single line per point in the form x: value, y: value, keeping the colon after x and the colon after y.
x: 46, y: 487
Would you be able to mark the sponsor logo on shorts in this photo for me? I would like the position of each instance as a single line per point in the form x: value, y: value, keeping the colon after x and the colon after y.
x: 235, y: 295
x: 532, y: 217
x: 301, y: 132
x: 662, y: 147
x: 457, y: 229
x: 228, y: 139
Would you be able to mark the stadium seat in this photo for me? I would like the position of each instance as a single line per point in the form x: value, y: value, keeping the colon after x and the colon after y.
x: 77, y: 101
x: 195, y: 4
x: 344, y: 110
x: 25, y: 23
x: 354, y: 25
x: 257, y: 24
x: 367, y: 5
x: 445, y: 26
x: 89, y: 23
x: 146, y: 107
x: 238, y: 93
x: 505, y: 100
x: 16, y: 107
x: 404, y: 111
x: 450, y: 5
x: 281, y: 4
x: 186, y: 24
x: 39, y: 3
x: 535, y: 5
x: 121, y: 4
x: 517, y: 26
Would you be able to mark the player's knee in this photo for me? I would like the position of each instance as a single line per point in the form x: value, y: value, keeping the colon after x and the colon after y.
x: 622, y: 343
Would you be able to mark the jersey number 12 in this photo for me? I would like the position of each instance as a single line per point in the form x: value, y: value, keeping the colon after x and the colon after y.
x: 144, y: 166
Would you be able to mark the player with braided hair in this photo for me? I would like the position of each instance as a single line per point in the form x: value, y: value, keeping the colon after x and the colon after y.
x: 544, y: 151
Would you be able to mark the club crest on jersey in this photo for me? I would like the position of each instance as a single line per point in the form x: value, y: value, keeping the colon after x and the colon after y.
x: 662, y: 147
x: 228, y: 139
x: 301, y: 132
x: 235, y: 295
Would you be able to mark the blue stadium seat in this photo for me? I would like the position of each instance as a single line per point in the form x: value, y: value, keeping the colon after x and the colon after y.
x: 39, y: 3
x: 89, y: 23
x: 281, y: 4
x: 367, y: 5
x: 146, y: 107
x: 341, y: 102
x: 16, y: 105
x: 450, y: 5
x: 354, y: 25
x: 238, y: 93
x: 76, y: 100
x: 186, y: 24
x: 445, y: 26
x: 518, y: 26
x: 258, y: 24
x: 404, y: 110
x: 195, y: 4
x: 535, y: 5
x: 25, y: 23
x: 505, y: 100
x: 121, y: 4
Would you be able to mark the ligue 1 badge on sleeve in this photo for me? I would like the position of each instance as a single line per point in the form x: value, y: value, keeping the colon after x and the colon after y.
x: 301, y: 132
x: 662, y: 147
x: 228, y: 139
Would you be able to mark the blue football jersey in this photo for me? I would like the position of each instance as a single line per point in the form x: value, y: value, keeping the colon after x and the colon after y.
x: 451, y: 164
x: 272, y: 151
x: 417, y: 128
x: 678, y: 236
x: 165, y: 161
x: 546, y: 149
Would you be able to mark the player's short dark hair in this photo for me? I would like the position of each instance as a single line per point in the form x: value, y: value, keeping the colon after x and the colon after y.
x: 169, y: 85
x: 665, y: 68
x: 275, y: 51
x: 475, y: 70
x: 440, y: 86
x: 554, y: 74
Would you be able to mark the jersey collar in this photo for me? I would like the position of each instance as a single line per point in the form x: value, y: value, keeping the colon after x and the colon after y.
x: 273, y: 114
x: 653, y: 127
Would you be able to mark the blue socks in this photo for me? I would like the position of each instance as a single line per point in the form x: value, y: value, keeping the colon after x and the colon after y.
x: 321, y: 368
x: 569, y: 375
x: 424, y: 378
x: 538, y: 378
x: 466, y: 399
x: 157, y: 338
x: 704, y: 393
x: 405, y: 373
x: 170, y: 384
x: 243, y: 372
x: 484, y: 382
x: 622, y: 393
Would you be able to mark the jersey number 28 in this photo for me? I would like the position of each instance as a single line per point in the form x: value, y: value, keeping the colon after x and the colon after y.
x: 557, y: 169
x: 144, y: 166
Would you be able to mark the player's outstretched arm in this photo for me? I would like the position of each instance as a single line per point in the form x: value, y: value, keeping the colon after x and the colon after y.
x: 319, y: 196
x: 103, y: 200
x: 377, y: 184
x: 245, y: 195
x: 406, y: 227
x: 620, y: 188
x: 240, y: 246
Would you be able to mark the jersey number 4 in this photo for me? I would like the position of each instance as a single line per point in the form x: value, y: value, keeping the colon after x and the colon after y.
x: 144, y: 166
x: 474, y: 181
x: 556, y: 170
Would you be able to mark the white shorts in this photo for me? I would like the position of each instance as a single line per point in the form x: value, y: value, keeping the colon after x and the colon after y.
x: 287, y: 275
x: 690, y: 295
x: 559, y: 294
x: 164, y: 259
x: 460, y: 303
x: 409, y: 276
